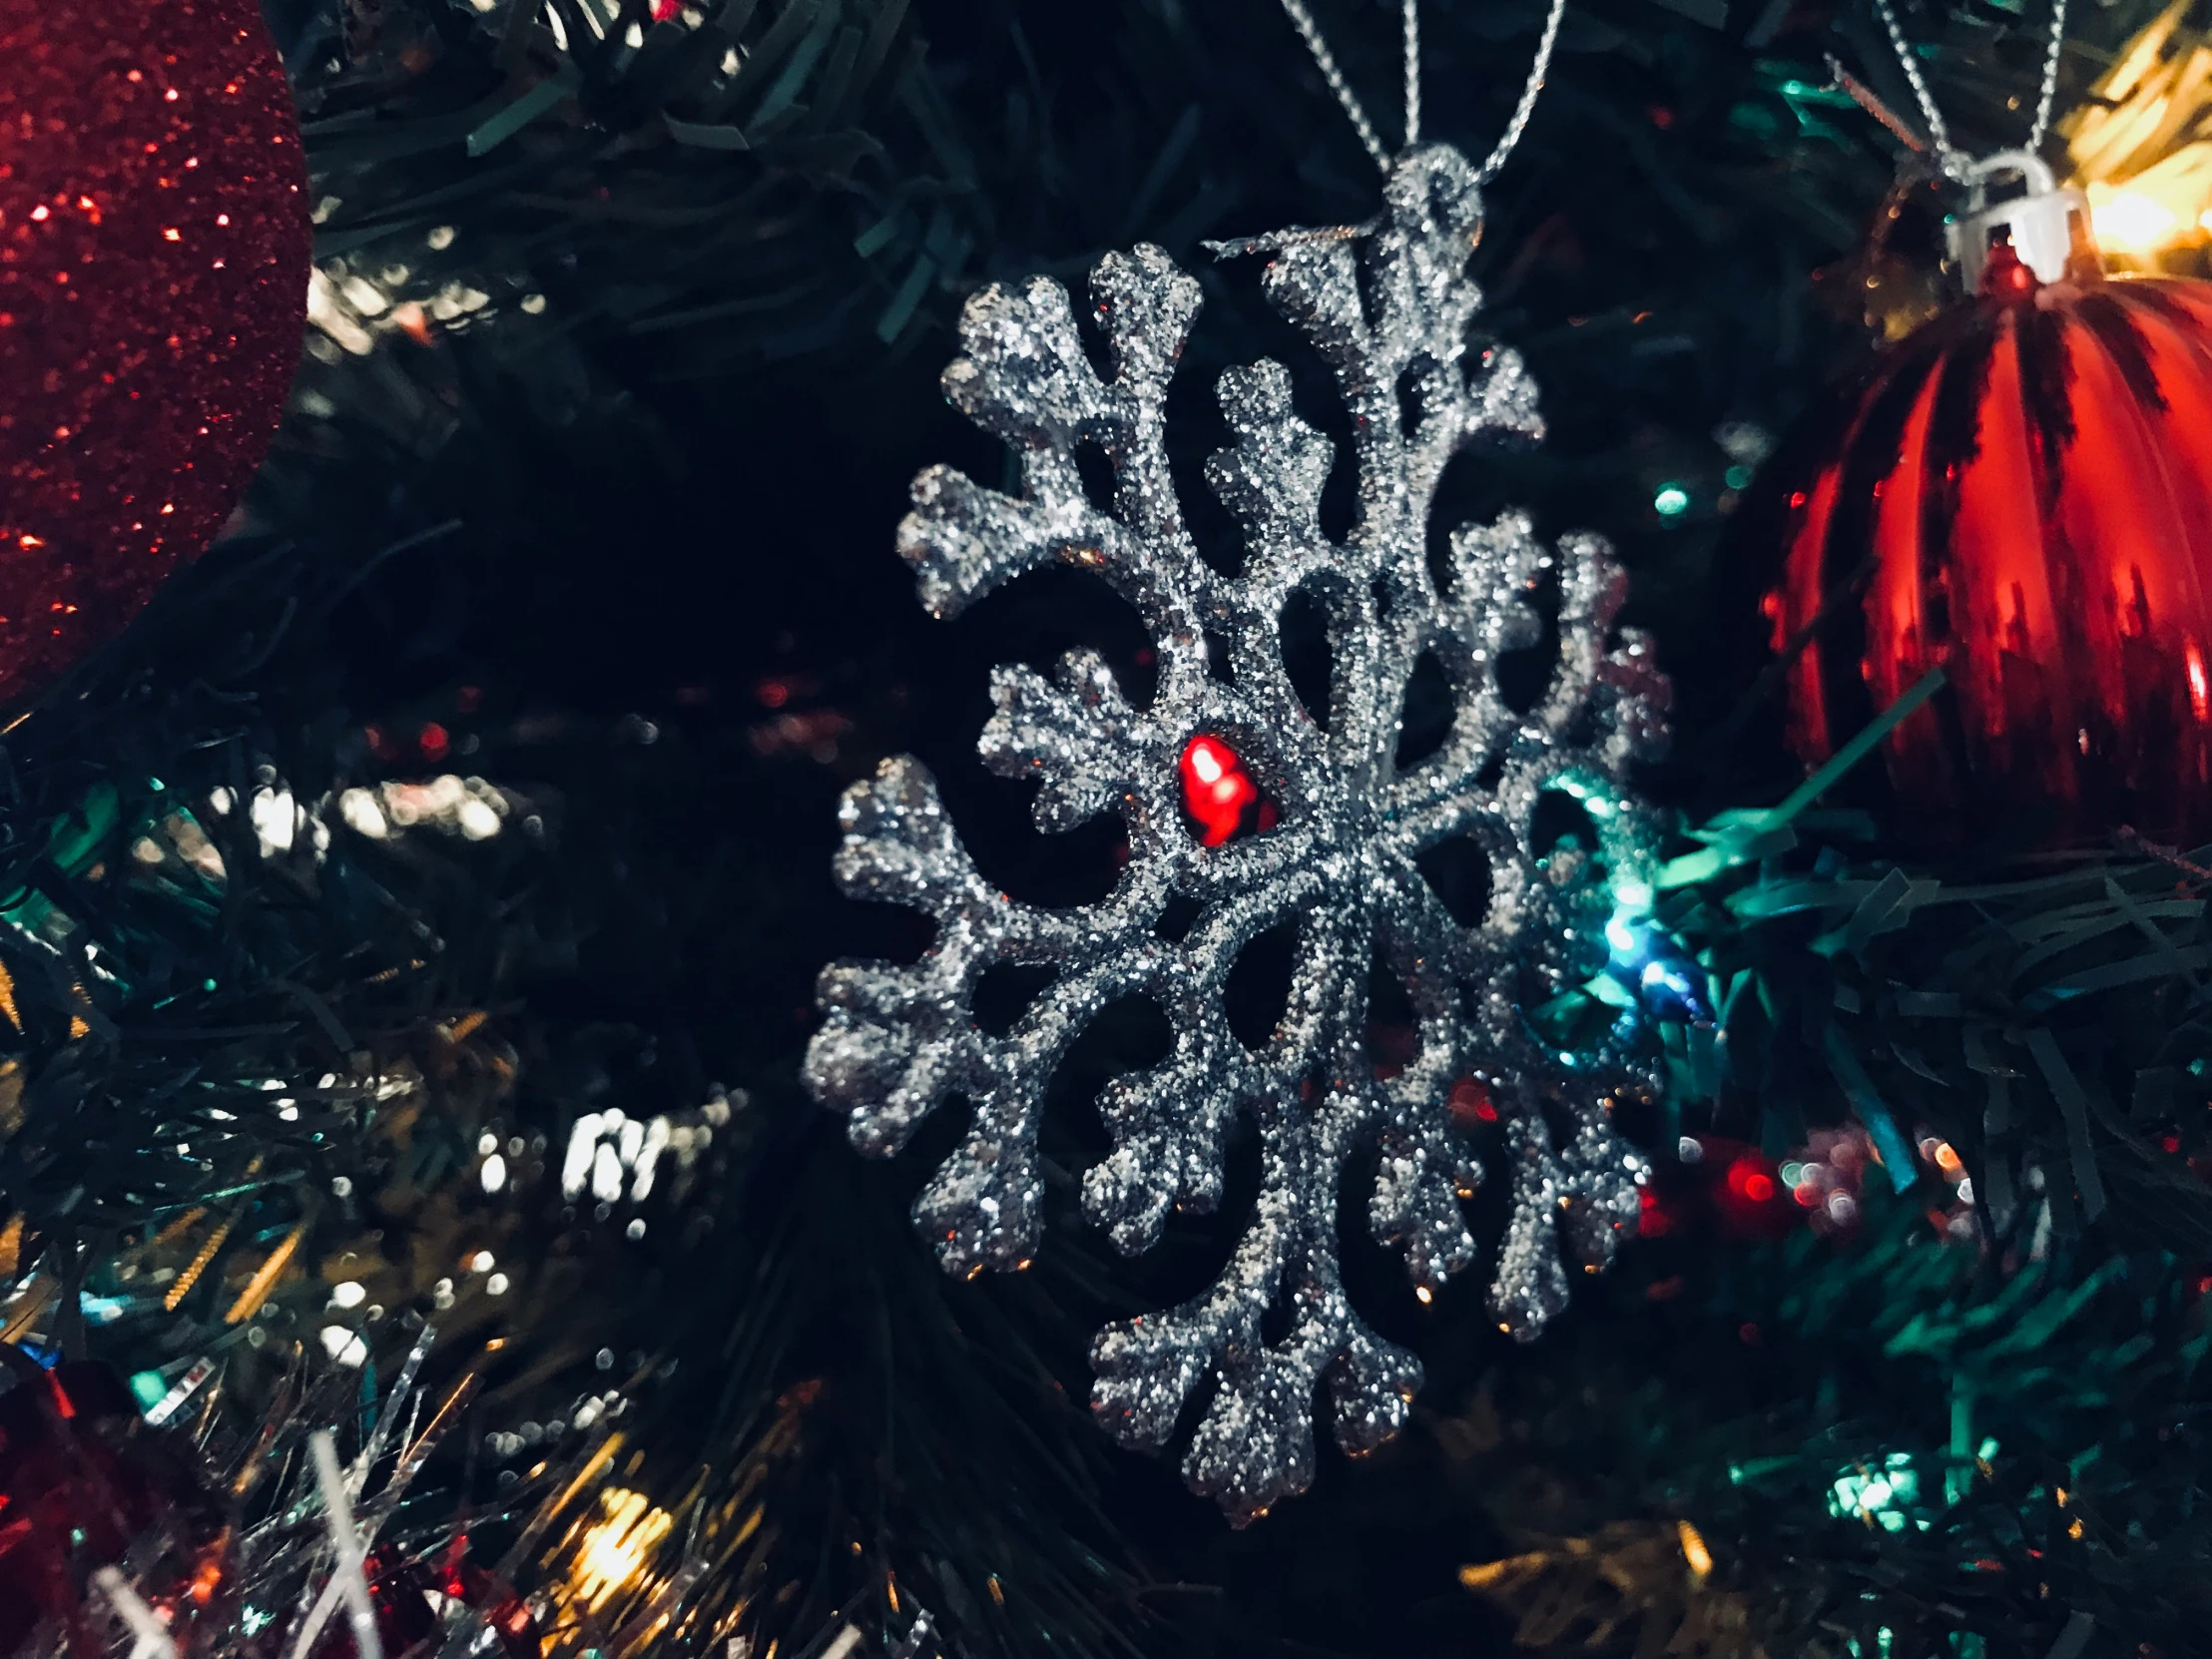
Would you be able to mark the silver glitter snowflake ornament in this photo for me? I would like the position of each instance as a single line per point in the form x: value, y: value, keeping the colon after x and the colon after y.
x: 1389, y: 309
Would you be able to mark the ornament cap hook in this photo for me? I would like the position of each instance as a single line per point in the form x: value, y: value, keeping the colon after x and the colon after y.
x: 2046, y: 228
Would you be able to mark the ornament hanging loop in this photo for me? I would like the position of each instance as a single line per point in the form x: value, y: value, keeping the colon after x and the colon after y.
x: 1302, y: 18
x: 1949, y: 155
x: 2046, y: 228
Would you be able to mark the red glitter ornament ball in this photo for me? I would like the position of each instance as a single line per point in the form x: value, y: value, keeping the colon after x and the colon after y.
x: 2019, y: 493
x: 154, y: 260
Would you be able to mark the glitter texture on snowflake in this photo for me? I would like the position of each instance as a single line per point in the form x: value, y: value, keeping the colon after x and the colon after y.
x: 1340, y: 863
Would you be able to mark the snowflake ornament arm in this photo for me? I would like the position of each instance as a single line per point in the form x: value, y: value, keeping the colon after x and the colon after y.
x: 1388, y: 313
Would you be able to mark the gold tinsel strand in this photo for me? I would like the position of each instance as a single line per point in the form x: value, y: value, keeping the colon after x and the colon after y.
x: 257, y: 1288
x: 198, y: 1264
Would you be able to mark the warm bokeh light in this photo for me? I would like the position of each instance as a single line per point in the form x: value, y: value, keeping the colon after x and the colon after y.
x: 2130, y: 221
x: 2136, y: 142
x: 617, y: 1547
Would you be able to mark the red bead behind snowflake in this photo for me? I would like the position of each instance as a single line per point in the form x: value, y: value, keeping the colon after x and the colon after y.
x: 1219, y: 795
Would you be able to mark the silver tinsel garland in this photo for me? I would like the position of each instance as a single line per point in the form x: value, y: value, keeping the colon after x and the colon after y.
x: 1340, y: 863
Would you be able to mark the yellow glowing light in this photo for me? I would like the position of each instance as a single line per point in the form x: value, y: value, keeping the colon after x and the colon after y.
x: 1693, y: 1548
x: 616, y: 1547
x: 2132, y: 222
x: 2138, y: 133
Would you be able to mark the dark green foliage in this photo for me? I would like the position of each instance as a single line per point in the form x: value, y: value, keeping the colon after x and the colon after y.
x: 709, y: 192
x: 2047, y: 1024
x: 2035, y: 1434
x: 663, y: 503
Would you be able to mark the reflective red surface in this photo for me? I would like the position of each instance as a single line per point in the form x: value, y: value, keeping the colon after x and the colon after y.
x: 2022, y: 493
x: 1217, y: 792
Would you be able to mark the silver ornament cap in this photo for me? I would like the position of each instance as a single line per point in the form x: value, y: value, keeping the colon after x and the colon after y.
x: 2047, y: 228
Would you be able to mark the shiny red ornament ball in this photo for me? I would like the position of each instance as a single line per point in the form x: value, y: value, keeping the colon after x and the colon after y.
x: 2019, y: 493
x: 154, y: 263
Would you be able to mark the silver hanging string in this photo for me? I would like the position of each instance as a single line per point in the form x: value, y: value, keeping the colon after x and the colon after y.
x: 1302, y: 20
x: 1530, y: 89
x: 2050, y: 75
x: 1949, y: 155
x: 1412, y: 12
x: 1326, y: 62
